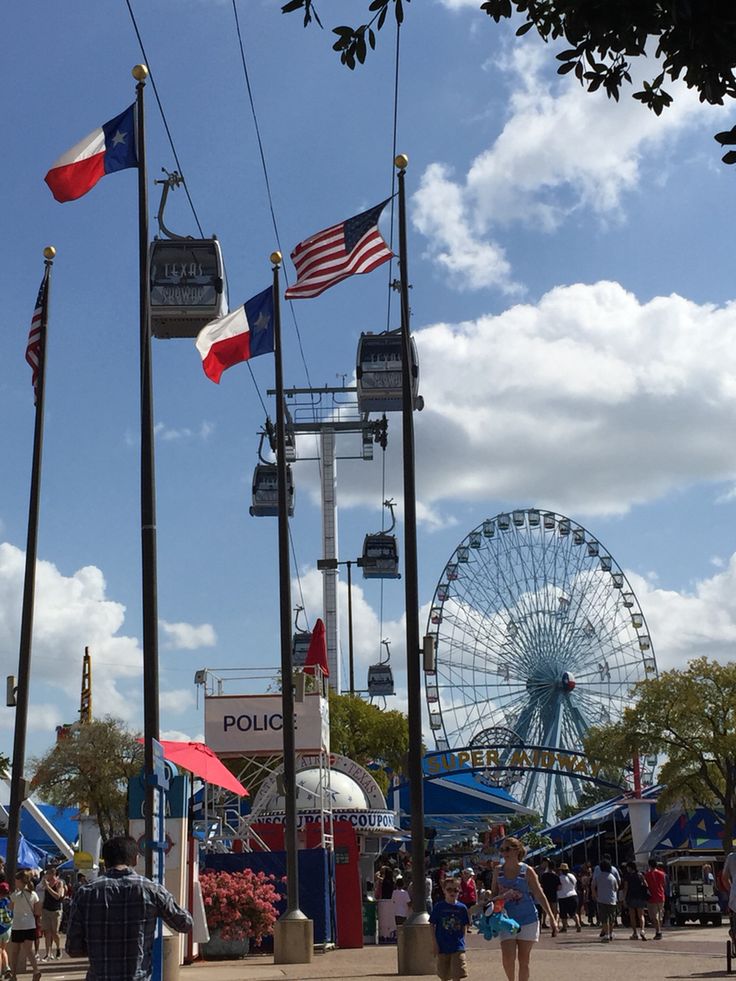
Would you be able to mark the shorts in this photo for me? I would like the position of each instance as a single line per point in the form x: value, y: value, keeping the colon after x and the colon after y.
x: 529, y: 932
x: 568, y: 905
x: 637, y: 904
x: 4, y: 938
x: 655, y: 911
x: 452, y: 967
x: 50, y: 920
x: 21, y: 936
x: 607, y: 913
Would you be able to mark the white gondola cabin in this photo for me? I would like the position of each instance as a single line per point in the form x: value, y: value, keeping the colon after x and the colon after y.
x: 378, y: 372
x: 266, y: 491
x: 380, y: 679
x: 187, y: 285
x: 380, y: 559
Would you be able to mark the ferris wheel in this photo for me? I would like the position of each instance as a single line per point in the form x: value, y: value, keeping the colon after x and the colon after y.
x: 538, y: 637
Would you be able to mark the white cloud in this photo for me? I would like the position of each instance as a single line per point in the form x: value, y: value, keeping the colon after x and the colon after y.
x: 72, y: 612
x: 177, y: 736
x: 176, y: 700
x: 187, y: 636
x: 561, y: 150
x: 684, y: 625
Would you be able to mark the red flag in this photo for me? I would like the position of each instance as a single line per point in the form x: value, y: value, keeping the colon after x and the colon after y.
x: 317, y: 653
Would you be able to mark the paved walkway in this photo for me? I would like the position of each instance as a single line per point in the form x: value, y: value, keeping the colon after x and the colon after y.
x: 691, y: 952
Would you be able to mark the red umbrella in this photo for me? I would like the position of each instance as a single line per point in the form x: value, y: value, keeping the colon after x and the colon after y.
x: 201, y: 761
x: 317, y: 653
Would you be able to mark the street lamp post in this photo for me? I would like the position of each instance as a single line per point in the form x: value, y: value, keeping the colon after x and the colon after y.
x: 414, y: 940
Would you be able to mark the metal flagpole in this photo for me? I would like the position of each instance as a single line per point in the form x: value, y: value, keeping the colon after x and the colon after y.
x: 17, y: 781
x: 414, y: 948
x: 287, y: 948
x: 148, y: 493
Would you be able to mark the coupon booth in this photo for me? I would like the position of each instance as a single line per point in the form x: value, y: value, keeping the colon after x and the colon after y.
x: 342, y: 805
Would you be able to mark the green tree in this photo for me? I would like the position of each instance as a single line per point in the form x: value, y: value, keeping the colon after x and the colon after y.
x: 4, y: 765
x: 690, y: 39
x: 689, y: 716
x: 365, y: 733
x: 90, y: 767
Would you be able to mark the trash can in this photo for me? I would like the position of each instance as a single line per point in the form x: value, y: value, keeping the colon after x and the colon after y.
x: 370, y: 921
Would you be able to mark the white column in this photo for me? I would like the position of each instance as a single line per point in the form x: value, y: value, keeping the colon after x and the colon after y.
x: 640, y: 819
x: 329, y: 551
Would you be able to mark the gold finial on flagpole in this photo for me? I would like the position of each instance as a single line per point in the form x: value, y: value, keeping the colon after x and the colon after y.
x: 276, y: 258
x: 140, y: 73
x: 49, y: 252
x: 401, y: 161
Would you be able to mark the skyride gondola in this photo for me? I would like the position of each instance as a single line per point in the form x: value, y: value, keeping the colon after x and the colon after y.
x: 265, y: 489
x: 378, y: 373
x: 380, y: 676
x: 380, y: 558
x: 188, y: 287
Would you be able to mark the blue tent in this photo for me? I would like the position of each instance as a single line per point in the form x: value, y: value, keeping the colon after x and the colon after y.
x: 63, y: 819
x: 458, y: 805
x: 29, y: 857
x: 698, y: 830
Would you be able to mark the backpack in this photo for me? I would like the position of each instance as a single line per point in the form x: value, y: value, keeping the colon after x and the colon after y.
x: 6, y: 917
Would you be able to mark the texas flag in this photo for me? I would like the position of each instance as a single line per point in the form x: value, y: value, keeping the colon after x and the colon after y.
x: 243, y: 334
x: 110, y: 148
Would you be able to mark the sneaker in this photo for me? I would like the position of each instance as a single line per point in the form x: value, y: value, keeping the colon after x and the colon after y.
x: 58, y: 953
x: 643, y: 936
x: 634, y: 936
x: 578, y: 929
x: 657, y: 936
x: 604, y: 939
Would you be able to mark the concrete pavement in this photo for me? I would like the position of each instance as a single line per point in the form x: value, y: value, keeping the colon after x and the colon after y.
x: 689, y: 952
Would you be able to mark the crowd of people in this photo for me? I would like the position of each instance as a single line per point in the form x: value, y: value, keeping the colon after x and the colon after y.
x: 547, y: 896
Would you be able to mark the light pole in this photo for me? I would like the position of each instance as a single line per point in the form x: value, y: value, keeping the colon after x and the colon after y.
x: 414, y: 940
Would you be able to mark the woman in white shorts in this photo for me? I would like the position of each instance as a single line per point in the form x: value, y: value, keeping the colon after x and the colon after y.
x: 517, y: 884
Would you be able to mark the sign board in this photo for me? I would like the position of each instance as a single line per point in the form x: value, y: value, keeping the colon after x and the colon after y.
x: 249, y: 725
x: 364, y: 822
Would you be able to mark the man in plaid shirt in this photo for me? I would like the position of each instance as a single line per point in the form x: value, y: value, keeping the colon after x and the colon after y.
x: 113, y: 919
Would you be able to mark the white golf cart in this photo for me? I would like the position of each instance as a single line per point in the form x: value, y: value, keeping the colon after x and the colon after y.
x: 690, y: 897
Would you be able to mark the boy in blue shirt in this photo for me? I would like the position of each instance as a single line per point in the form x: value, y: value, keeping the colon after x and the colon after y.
x: 450, y: 919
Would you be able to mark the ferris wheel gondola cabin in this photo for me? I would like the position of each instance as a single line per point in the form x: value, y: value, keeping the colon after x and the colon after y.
x: 378, y: 372
x: 187, y: 285
x: 265, y: 491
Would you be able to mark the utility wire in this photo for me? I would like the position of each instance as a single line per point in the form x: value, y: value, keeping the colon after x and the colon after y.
x: 163, y: 114
x: 393, y: 170
x: 267, y: 180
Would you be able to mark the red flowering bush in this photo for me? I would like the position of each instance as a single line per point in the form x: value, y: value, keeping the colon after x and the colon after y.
x: 240, y: 904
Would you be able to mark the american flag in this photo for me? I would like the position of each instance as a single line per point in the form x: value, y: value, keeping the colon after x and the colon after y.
x: 34, y: 351
x: 351, y: 247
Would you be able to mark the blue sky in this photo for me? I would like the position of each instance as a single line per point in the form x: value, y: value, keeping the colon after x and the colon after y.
x: 572, y: 299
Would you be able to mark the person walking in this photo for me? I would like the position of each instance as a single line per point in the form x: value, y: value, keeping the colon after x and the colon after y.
x: 550, y: 882
x: 113, y: 919
x: 516, y: 883
x: 401, y: 902
x: 24, y: 903
x: 604, y: 886
x: 53, y: 898
x: 468, y: 889
x: 636, y: 897
x: 384, y: 888
x: 655, y: 880
x: 449, y: 920
x: 567, y: 898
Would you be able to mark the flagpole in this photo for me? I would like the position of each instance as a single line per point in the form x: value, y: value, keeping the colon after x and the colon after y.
x: 293, y: 939
x: 17, y: 781
x: 148, y: 490
x: 414, y: 946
